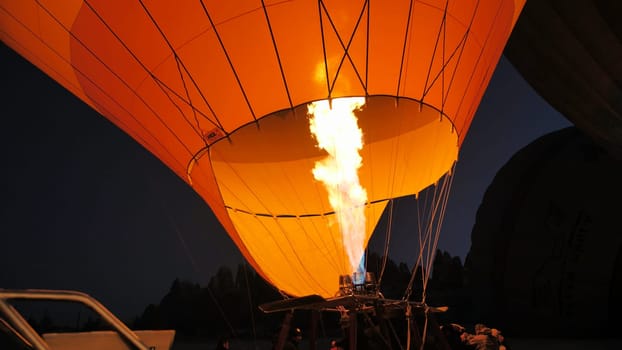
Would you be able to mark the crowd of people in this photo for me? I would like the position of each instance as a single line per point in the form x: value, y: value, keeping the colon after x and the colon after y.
x: 457, y: 337
x: 295, y: 337
x: 484, y: 338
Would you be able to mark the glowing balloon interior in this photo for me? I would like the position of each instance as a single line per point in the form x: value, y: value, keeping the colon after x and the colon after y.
x: 218, y: 90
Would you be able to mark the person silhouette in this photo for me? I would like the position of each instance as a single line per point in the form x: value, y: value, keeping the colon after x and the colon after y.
x: 295, y: 337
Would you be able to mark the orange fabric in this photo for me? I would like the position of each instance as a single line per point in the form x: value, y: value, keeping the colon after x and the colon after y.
x: 212, y: 93
x: 283, y: 214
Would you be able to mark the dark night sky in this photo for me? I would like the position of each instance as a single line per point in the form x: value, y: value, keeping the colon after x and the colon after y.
x: 85, y: 207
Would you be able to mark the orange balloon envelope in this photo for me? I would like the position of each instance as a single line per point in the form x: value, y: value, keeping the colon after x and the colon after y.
x: 218, y: 91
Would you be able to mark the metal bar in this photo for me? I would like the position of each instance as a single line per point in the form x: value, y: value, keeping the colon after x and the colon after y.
x: 64, y: 295
x: 284, y: 332
x: 352, y: 329
x: 22, y: 326
x: 315, y: 316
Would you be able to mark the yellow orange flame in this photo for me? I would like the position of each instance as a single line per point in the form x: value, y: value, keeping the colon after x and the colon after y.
x: 336, y: 131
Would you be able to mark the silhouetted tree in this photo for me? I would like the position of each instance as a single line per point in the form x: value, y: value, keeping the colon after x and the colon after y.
x: 231, y: 300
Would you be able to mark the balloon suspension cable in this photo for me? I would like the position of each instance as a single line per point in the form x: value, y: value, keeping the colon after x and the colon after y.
x: 425, y: 329
x: 429, y: 234
x: 372, y: 325
x: 385, y: 254
x: 395, y: 335
x: 409, y: 315
x: 250, y: 304
x: 196, y: 267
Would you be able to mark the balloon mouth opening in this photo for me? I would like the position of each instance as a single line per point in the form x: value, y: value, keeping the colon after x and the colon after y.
x: 398, y: 115
x: 280, y: 144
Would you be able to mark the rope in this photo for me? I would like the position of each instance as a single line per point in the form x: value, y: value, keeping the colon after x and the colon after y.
x: 250, y: 305
x: 385, y: 254
x: 429, y: 232
x: 196, y: 267
x: 425, y: 331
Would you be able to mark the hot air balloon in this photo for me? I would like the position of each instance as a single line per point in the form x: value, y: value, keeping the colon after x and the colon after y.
x: 544, y: 261
x: 570, y: 54
x: 569, y: 282
x: 220, y: 91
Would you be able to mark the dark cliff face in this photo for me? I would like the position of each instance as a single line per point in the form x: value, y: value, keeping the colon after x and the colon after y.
x: 546, y: 254
x: 570, y: 52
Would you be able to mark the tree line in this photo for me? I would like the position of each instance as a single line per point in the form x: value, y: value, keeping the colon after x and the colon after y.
x: 229, y: 302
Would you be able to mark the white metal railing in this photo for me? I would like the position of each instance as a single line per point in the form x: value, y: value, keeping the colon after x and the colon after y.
x: 26, y: 332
